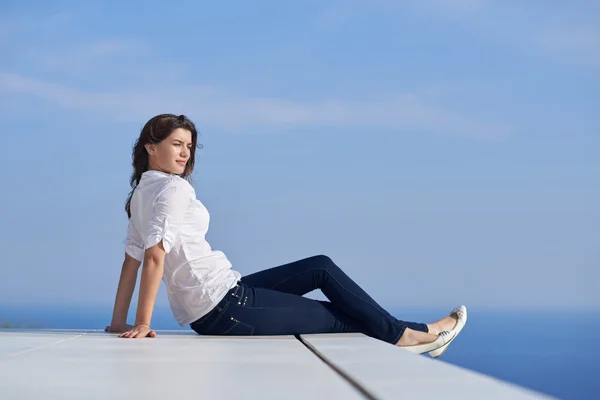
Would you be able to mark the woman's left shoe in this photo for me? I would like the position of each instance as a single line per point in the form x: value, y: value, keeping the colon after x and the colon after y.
x: 461, y: 313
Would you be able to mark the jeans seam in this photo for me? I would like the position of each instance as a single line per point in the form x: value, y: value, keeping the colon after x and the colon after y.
x: 218, y: 317
x: 251, y: 327
x: 291, y: 277
x: 364, y: 301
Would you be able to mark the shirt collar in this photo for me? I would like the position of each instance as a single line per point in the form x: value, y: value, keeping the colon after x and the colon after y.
x: 155, y: 172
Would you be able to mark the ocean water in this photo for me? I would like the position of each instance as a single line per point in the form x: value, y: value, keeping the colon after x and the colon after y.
x: 549, y: 352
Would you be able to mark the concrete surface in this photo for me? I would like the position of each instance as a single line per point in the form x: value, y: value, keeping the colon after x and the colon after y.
x: 92, y: 364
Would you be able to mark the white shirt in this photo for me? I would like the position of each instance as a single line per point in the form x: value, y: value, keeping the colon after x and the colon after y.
x: 164, y: 207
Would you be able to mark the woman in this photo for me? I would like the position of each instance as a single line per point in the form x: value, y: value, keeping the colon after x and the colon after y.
x: 167, y: 228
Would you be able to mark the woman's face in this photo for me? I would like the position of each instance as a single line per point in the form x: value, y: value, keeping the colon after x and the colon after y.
x: 172, y: 154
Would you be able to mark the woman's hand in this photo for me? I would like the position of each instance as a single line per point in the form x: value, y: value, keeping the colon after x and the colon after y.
x: 139, y: 331
x: 118, y: 328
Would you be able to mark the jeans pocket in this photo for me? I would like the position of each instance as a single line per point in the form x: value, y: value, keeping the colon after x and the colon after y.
x: 228, y: 321
x: 226, y: 324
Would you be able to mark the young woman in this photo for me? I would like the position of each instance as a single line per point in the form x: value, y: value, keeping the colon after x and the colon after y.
x: 167, y: 228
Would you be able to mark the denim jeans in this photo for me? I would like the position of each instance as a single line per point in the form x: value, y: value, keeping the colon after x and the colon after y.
x: 270, y: 302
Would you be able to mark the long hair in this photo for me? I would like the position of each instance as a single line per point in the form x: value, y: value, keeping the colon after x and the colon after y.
x: 156, y: 130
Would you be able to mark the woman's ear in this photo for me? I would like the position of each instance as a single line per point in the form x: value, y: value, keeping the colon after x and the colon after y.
x: 150, y: 148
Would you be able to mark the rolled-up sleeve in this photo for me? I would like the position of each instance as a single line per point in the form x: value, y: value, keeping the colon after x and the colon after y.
x: 133, y: 243
x: 168, y: 214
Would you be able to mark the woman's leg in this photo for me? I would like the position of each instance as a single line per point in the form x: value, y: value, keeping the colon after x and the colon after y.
x: 320, y: 272
x: 256, y: 311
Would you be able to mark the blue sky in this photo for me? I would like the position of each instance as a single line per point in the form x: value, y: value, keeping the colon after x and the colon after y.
x: 441, y: 152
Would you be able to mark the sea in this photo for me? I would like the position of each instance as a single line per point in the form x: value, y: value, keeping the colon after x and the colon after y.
x: 552, y: 352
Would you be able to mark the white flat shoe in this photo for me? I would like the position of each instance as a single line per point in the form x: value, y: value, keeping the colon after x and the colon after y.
x: 460, y: 324
x: 444, y: 338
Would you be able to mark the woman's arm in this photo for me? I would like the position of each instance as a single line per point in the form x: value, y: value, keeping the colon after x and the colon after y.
x: 152, y: 272
x: 163, y: 228
x: 129, y: 272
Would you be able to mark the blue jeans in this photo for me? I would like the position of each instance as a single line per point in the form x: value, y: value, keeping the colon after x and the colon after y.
x: 270, y: 302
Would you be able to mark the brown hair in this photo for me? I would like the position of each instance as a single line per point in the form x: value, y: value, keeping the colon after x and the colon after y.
x: 156, y: 130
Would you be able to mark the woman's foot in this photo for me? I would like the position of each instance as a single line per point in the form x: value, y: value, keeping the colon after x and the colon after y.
x: 422, y: 342
x: 444, y: 324
x: 414, y: 338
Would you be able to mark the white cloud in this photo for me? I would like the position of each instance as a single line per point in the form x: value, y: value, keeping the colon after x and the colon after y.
x: 133, y: 64
x: 12, y: 26
x: 50, y: 44
x: 405, y: 112
x: 86, y: 57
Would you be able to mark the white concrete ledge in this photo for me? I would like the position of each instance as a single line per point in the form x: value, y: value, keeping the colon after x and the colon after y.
x: 92, y: 364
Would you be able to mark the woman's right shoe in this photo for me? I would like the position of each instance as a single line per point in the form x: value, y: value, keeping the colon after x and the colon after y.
x: 461, y: 313
x: 444, y: 338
